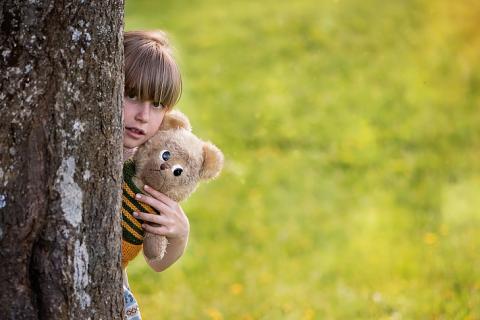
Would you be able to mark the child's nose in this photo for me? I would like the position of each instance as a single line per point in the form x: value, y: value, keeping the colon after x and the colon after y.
x: 143, y: 112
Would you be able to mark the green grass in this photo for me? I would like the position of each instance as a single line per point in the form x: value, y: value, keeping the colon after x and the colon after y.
x: 351, y: 131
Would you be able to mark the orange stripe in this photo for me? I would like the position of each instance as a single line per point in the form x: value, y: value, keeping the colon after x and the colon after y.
x: 133, y: 232
x: 131, y: 218
x: 145, y: 206
x: 129, y: 191
x: 129, y: 204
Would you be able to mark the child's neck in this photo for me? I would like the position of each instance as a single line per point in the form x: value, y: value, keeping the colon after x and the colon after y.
x: 128, y: 153
x: 130, y: 175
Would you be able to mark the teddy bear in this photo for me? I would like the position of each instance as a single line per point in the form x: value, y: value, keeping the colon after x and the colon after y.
x: 172, y: 162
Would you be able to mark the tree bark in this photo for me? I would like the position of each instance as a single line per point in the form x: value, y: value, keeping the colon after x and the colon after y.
x: 61, y: 90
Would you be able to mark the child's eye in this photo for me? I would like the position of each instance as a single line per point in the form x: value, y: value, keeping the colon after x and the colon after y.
x: 132, y: 96
x: 157, y: 105
x: 177, y: 170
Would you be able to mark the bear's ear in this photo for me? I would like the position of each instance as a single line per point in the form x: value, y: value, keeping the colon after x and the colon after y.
x: 175, y: 120
x: 212, y: 161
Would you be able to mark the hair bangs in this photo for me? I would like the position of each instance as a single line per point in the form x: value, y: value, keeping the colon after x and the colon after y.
x: 151, y: 74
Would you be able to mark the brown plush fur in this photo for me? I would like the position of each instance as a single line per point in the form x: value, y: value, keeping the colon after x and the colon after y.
x: 198, y: 159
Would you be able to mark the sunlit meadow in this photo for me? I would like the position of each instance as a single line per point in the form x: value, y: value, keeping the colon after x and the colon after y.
x: 351, y: 131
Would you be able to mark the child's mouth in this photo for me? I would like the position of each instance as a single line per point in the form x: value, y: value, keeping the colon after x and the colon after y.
x: 134, y: 132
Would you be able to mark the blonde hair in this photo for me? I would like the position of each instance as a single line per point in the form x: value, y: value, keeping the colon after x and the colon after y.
x: 151, y: 72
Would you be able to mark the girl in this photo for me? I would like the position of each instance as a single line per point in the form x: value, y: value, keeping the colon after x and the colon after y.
x: 153, y: 86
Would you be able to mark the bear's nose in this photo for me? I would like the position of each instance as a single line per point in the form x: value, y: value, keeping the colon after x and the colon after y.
x: 164, y: 166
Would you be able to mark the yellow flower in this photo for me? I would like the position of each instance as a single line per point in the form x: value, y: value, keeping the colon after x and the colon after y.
x: 430, y: 238
x: 236, y: 288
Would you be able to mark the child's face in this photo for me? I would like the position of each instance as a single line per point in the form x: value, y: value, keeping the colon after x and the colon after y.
x: 141, y: 120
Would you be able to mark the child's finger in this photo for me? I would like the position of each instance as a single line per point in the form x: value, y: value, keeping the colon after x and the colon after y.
x: 149, y: 217
x: 160, y: 196
x: 160, y: 206
x: 161, y: 231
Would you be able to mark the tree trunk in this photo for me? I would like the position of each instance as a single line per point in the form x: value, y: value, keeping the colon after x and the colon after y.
x: 61, y: 89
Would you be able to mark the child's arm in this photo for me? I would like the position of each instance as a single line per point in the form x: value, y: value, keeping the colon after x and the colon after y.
x: 171, y: 223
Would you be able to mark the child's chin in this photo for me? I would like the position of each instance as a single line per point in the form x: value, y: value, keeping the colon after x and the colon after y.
x: 131, y: 143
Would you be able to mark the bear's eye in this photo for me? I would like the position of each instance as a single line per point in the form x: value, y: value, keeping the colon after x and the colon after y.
x: 177, y: 170
x: 165, y: 155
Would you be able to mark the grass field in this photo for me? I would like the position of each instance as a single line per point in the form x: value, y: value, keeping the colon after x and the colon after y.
x: 351, y: 131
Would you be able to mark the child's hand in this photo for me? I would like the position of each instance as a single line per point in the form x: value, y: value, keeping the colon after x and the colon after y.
x: 171, y: 222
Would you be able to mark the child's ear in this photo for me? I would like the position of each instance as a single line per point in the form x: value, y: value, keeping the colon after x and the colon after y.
x: 212, y: 161
x: 175, y: 120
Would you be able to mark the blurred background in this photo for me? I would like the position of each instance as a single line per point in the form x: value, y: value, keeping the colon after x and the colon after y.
x: 351, y: 131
